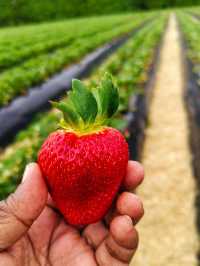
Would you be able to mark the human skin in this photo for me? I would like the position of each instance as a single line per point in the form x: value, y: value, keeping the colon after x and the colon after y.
x: 33, y: 233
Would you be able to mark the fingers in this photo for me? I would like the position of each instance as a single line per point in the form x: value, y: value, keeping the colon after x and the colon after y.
x: 127, y: 204
x: 121, y: 243
x: 130, y: 204
x: 124, y: 233
x: 95, y: 234
x: 104, y: 258
x: 135, y: 175
x: 118, y: 252
x: 21, y: 208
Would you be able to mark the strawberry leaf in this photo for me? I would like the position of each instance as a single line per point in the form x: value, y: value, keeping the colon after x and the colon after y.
x: 86, y: 109
x: 108, y: 97
x: 120, y: 124
x: 83, y: 101
x: 70, y: 116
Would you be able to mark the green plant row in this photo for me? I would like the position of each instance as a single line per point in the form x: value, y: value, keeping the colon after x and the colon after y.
x: 191, y: 32
x: 21, y: 44
x: 133, y: 73
x: 39, y: 31
x: 17, y: 80
x: 192, y: 10
x: 129, y: 67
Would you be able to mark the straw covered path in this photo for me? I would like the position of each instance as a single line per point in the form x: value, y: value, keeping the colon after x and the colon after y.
x: 168, y: 234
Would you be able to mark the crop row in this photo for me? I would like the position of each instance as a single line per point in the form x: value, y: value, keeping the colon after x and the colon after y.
x: 15, y: 48
x: 191, y: 30
x: 129, y: 67
x: 193, y: 11
x: 17, y: 80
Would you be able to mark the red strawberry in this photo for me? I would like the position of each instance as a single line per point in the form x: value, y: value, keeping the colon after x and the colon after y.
x: 84, y: 163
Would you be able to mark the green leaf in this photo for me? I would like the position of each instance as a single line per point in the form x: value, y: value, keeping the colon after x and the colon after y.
x: 69, y: 114
x: 95, y: 91
x: 83, y: 101
x: 119, y: 124
x: 108, y: 97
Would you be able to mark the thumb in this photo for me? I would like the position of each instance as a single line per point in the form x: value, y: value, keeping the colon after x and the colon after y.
x: 20, y: 209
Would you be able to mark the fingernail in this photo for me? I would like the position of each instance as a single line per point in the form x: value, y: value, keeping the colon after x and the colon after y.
x: 27, y: 171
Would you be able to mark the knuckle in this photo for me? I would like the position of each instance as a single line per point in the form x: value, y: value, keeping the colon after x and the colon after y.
x: 101, y: 258
x: 9, y: 209
x: 4, y: 212
x: 118, y: 252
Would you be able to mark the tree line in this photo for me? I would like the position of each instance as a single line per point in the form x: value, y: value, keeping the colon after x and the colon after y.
x: 23, y: 11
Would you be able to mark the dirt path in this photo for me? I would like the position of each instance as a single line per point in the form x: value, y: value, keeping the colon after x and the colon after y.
x: 167, y: 233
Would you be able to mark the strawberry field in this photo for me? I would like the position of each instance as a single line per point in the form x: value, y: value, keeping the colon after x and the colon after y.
x: 154, y: 59
x: 130, y: 65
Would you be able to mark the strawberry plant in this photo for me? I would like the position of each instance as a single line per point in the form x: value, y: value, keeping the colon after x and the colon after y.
x: 191, y: 31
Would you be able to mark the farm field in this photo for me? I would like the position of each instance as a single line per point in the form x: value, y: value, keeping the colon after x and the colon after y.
x: 157, y: 70
x: 51, y: 50
x: 129, y: 75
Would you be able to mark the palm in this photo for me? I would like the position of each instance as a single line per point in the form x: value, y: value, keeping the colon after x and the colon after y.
x: 50, y: 241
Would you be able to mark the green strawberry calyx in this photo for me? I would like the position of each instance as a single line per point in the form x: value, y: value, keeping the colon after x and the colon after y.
x: 89, y: 110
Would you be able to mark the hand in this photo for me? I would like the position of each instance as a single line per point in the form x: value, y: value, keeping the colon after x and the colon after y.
x: 33, y: 233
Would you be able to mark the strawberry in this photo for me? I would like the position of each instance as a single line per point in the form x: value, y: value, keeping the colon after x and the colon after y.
x: 84, y: 162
